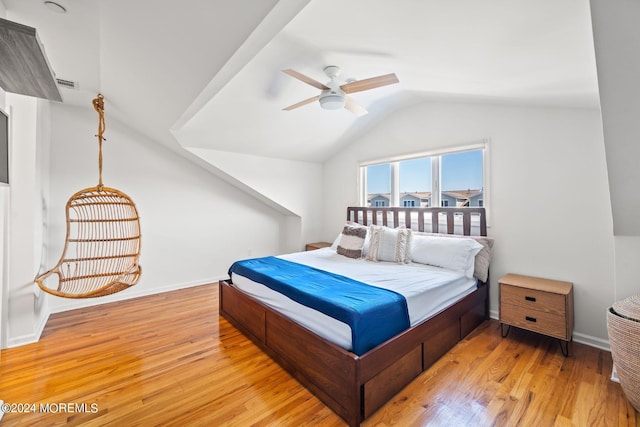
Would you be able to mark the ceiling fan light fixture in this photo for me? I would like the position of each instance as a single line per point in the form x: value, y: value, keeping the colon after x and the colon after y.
x: 332, y: 101
x: 335, y: 95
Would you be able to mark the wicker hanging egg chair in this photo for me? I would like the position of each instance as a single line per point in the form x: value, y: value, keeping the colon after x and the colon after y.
x: 102, y: 246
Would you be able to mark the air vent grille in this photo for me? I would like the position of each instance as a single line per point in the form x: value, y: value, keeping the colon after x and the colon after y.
x: 67, y: 83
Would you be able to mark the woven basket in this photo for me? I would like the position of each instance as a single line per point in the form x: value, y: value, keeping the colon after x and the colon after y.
x: 623, y: 326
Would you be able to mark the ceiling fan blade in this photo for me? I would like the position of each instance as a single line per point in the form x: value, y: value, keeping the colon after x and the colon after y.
x: 306, y: 79
x: 354, y: 107
x: 370, y: 83
x: 301, y: 103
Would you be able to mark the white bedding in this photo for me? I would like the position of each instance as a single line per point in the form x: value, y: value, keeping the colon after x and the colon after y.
x: 427, y: 290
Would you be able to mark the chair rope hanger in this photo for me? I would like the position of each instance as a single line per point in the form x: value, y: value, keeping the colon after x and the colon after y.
x: 102, y: 245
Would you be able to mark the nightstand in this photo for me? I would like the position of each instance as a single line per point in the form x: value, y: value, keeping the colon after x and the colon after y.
x: 539, y: 305
x: 316, y: 245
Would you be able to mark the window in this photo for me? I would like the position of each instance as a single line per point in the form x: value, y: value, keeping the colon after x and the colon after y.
x: 461, y: 178
x: 453, y: 177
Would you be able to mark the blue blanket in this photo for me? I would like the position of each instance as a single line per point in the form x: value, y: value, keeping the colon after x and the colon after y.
x: 374, y: 314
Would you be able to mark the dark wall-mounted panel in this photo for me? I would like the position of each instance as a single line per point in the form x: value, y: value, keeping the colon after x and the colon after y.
x: 4, y: 147
x: 24, y: 68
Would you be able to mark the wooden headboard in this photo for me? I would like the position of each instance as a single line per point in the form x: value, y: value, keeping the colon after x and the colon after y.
x: 464, y: 221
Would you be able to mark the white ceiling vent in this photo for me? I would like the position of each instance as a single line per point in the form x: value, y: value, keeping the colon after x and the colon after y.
x: 67, y: 84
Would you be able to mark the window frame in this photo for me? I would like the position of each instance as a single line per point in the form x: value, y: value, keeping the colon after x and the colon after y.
x: 435, y: 173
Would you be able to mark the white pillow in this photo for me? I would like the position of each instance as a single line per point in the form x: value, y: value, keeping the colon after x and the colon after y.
x: 388, y: 244
x: 452, y: 254
x: 483, y: 258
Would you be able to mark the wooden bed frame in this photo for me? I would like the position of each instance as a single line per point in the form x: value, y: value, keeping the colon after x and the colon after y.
x: 356, y: 386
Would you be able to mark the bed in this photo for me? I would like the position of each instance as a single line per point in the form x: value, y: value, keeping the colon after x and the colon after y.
x: 355, y: 384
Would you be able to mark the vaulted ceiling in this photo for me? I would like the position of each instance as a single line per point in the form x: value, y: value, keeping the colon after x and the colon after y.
x: 206, y: 74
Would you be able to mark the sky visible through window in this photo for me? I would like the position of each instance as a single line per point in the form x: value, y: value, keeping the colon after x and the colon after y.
x: 459, y: 171
x: 462, y: 171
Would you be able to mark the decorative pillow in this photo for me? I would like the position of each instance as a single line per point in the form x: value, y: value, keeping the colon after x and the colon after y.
x: 351, y: 241
x: 483, y: 258
x: 452, y: 254
x: 389, y: 244
x: 367, y: 239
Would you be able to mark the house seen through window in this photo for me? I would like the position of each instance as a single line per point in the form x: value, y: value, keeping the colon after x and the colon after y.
x: 453, y: 178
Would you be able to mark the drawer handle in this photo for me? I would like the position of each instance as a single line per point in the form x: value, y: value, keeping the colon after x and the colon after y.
x: 530, y: 319
x: 533, y: 299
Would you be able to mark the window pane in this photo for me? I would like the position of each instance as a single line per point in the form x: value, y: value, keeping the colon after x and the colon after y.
x: 415, y: 182
x: 462, y: 179
x: 378, y: 184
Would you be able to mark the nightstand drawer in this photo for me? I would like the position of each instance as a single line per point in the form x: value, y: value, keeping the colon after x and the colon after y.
x: 534, y: 320
x: 533, y: 299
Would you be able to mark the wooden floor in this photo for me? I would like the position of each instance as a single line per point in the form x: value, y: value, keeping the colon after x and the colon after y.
x: 169, y: 359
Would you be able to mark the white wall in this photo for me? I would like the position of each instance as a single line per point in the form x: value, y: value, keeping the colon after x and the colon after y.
x: 294, y: 186
x: 617, y: 41
x: 193, y: 224
x: 550, y: 208
x: 26, y: 314
x: 627, y: 266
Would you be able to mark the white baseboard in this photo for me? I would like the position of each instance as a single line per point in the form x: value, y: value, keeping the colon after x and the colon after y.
x: 592, y: 341
x: 614, y: 375
x: 43, y: 323
x: 577, y: 336
x: 29, y: 338
x: 22, y: 340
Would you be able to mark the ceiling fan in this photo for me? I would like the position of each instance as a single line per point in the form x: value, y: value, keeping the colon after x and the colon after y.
x: 335, y: 95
